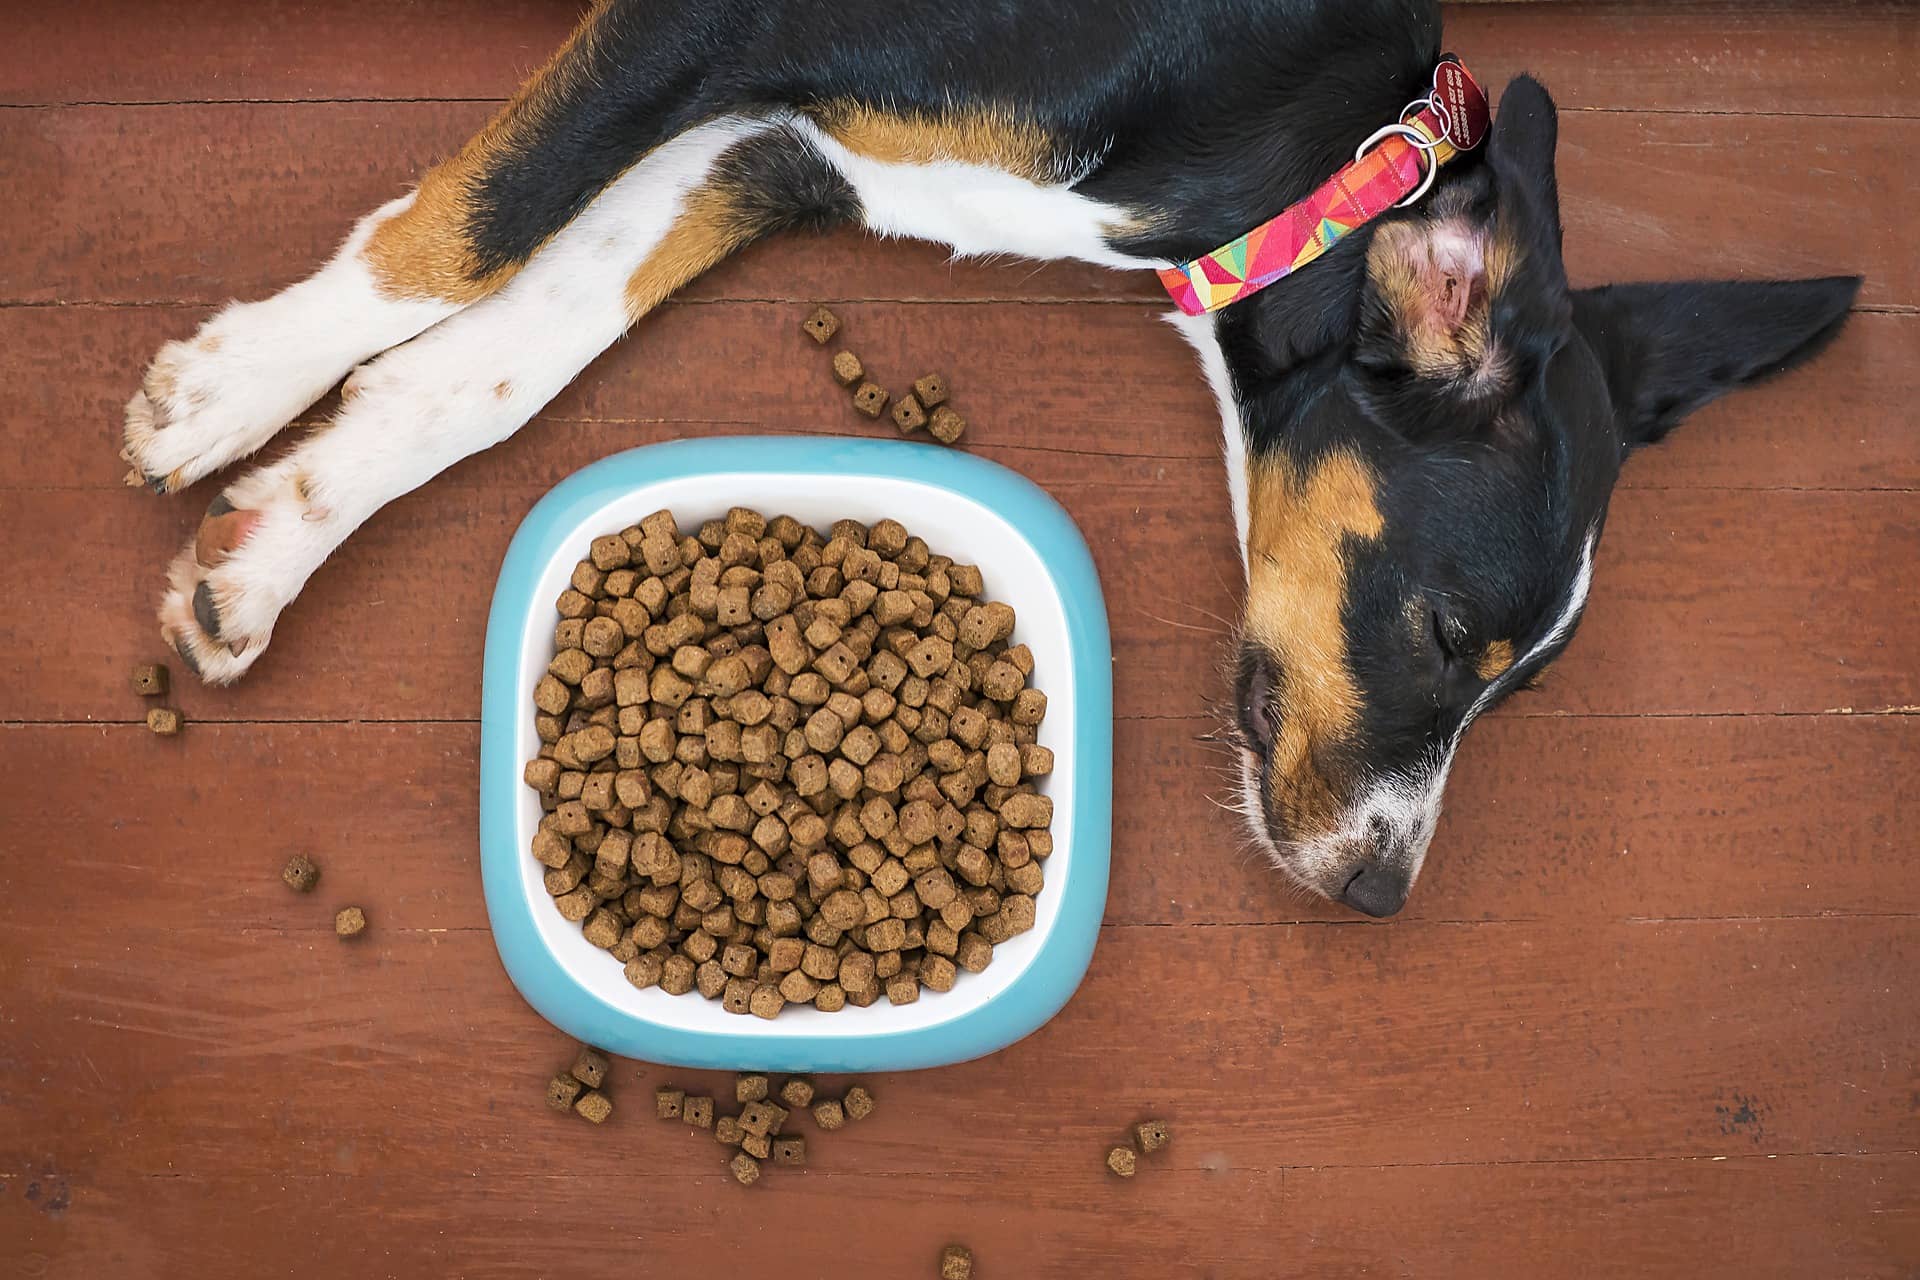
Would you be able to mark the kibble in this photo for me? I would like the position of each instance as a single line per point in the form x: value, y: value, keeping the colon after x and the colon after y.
x: 946, y: 426
x: 847, y: 369
x: 908, y: 415
x: 350, y: 922
x: 870, y: 399
x: 956, y: 1263
x: 589, y: 1068
x: 790, y: 1150
x: 667, y: 1103
x: 746, y: 1170
x: 300, y: 873
x: 594, y: 1106
x: 829, y: 1114
x: 561, y: 1092
x: 697, y: 1112
x: 782, y: 766
x: 164, y: 721
x: 150, y: 680
x: 821, y: 325
x: 931, y: 390
x: 1150, y: 1136
x: 1120, y: 1160
x: 858, y: 1103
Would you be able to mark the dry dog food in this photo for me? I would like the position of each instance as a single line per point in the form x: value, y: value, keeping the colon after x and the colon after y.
x: 1120, y: 1160
x: 931, y: 390
x: 561, y: 1092
x: 589, y: 1068
x: 908, y: 415
x: 350, y: 922
x: 300, y: 873
x: 164, y: 721
x: 847, y: 369
x: 946, y: 426
x: 1150, y: 1136
x: 757, y: 1130
x: 786, y: 767
x: 956, y: 1263
x: 870, y: 399
x: 821, y: 325
x: 594, y: 1106
x: 150, y: 680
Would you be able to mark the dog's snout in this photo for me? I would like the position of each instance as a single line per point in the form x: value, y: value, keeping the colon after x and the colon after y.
x: 1376, y: 890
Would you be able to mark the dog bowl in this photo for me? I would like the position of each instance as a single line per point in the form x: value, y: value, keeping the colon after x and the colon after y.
x: 1033, y: 558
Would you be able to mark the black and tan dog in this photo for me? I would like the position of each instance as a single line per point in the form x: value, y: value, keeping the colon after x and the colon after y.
x: 1422, y: 428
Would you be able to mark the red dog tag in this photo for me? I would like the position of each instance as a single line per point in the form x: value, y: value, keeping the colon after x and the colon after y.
x: 1465, y: 104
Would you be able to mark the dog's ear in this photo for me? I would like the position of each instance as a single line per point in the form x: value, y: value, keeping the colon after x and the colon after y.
x: 1531, y: 305
x: 1668, y: 349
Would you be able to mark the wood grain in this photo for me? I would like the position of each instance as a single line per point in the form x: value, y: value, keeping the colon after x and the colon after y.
x: 121, y: 204
x: 1819, y: 59
x: 1647, y: 1013
x: 1569, y: 819
x: 1851, y: 1216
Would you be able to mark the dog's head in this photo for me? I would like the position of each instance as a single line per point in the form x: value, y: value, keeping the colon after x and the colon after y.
x: 1426, y: 481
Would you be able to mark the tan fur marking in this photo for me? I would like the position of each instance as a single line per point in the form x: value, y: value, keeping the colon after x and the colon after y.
x: 1494, y: 660
x: 423, y: 251
x: 993, y: 138
x: 1296, y: 593
x: 502, y: 389
x: 1394, y: 263
x: 708, y: 229
x: 209, y: 344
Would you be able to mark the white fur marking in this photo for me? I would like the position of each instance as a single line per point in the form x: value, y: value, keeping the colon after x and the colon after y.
x: 1202, y: 334
x: 976, y: 209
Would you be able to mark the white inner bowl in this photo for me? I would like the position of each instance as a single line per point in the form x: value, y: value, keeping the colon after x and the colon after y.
x: 953, y: 525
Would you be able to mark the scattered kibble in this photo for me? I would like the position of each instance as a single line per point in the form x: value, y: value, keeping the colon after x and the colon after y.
x: 908, y: 415
x: 589, y: 1067
x: 870, y: 399
x: 300, y: 873
x: 790, y: 1150
x: 595, y: 1106
x: 956, y: 1263
x: 829, y: 1114
x: 350, y: 922
x: 931, y: 390
x: 1150, y: 1136
x: 797, y: 1093
x: 1120, y: 1160
x: 821, y: 325
x: 858, y: 1103
x: 164, y: 721
x: 847, y: 369
x: 150, y: 680
x: 562, y: 1090
x: 746, y: 1170
x: 946, y: 426
x: 667, y: 1103
x: 698, y: 1112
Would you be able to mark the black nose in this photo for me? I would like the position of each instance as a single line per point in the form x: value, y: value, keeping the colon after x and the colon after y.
x: 1376, y: 891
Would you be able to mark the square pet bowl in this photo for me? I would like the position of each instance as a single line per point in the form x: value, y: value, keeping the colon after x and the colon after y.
x: 1033, y: 558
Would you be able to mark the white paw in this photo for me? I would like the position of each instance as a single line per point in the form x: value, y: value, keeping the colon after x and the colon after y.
x: 247, y: 561
x: 216, y: 398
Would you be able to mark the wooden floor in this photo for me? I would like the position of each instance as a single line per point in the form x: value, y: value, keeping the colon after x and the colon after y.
x: 1651, y: 1012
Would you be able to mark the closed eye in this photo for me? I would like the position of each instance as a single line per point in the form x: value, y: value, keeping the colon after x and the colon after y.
x: 1442, y: 640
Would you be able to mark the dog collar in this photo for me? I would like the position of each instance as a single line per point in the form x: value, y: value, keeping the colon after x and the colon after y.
x: 1394, y: 167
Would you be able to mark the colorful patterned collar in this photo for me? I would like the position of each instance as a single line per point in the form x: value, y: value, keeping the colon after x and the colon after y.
x: 1386, y: 172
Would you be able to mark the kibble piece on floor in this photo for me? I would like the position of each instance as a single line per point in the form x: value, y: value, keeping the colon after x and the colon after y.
x: 790, y: 1150
x: 750, y: 1088
x: 757, y: 1145
x: 908, y: 415
x: 931, y: 390
x: 594, y: 1106
x: 697, y: 1112
x: 746, y: 1170
x: 589, y: 1067
x: 847, y: 368
x: 870, y: 399
x: 667, y: 1103
x: 350, y: 922
x: 821, y: 325
x: 858, y: 1103
x: 150, y: 680
x: 300, y: 872
x: 1151, y: 1135
x: 829, y: 1114
x: 946, y: 426
x: 164, y: 721
x: 1120, y: 1160
x: 561, y: 1091
x: 956, y: 1263
x: 727, y: 1130
x: 797, y: 1092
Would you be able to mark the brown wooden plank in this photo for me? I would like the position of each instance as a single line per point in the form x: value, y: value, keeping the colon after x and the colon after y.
x: 1690, y: 1220
x: 1828, y: 59
x: 259, y: 1052
x: 1703, y: 602
x: 200, y: 203
x: 1764, y: 58
x: 1110, y: 380
x: 1579, y: 820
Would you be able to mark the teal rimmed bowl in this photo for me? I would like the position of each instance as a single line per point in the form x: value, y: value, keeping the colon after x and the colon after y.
x: 1033, y: 558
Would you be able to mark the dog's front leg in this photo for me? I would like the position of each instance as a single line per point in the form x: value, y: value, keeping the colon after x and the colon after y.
x: 465, y: 384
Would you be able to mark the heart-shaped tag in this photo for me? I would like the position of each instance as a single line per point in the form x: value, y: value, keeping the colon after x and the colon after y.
x: 1465, y: 104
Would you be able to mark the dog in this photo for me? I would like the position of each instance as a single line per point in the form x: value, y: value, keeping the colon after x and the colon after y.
x: 1422, y: 428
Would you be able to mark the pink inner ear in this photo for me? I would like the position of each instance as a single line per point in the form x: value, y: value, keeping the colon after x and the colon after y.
x: 1452, y: 272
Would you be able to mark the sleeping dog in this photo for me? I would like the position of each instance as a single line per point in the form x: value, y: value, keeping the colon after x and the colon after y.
x: 1423, y: 424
